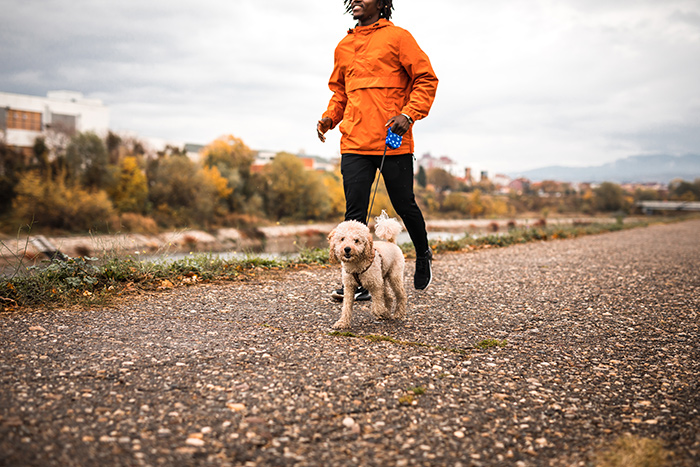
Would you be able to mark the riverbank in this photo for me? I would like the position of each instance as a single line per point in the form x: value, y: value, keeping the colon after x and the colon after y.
x: 279, y: 239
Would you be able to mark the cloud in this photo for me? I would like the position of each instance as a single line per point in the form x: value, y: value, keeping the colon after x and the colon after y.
x: 522, y: 84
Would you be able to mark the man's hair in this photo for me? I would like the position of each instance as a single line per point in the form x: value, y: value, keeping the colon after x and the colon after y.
x: 384, y: 11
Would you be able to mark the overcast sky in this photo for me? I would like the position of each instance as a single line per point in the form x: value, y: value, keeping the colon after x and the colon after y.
x: 523, y: 83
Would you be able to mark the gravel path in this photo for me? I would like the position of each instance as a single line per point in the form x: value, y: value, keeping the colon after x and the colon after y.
x: 601, y: 339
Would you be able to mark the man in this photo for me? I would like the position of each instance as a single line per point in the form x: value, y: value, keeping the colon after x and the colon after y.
x: 381, y: 78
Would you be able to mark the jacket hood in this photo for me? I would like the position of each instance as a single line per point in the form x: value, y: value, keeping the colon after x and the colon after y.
x: 382, y: 23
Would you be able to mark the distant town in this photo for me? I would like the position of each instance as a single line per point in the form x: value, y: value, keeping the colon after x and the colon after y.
x: 63, y: 169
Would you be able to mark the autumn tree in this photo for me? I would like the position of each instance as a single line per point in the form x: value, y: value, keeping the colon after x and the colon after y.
x: 55, y: 202
x: 475, y: 204
x: 682, y: 190
x: 294, y: 192
x: 183, y: 193
x: 233, y: 159
x: 129, y: 193
x: 609, y: 197
x: 455, y: 202
x: 334, y: 189
x: 441, y: 179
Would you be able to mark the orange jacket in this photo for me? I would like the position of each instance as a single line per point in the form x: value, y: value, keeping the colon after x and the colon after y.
x: 379, y: 73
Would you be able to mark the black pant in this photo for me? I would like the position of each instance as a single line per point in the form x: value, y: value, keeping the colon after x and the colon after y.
x: 358, y: 176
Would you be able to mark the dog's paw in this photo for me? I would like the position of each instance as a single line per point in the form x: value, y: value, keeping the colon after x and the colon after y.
x: 341, y: 325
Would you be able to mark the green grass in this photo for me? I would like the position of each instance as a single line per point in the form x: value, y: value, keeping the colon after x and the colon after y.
x: 86, y: 281
x: 391, y: 340
x: 490, y: 343
x: 532, y: 234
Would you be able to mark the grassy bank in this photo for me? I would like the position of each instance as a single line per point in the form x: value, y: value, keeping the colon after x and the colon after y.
x: 82, y: 281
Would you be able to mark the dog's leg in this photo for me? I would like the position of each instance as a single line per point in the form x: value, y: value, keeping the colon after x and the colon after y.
x: 379, y: 310
x: 396, y: 282
x: 348, y: 300
x: 388, y: 298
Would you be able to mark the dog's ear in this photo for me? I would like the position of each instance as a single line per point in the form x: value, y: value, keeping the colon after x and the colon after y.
x: 368, y: 251
x: 331, y: 250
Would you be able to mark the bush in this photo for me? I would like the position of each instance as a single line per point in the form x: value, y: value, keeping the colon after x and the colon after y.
x: 136, y: 223
x: 50, y: 202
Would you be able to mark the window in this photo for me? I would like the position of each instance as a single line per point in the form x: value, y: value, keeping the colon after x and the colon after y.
x: 23, y: 120
x: 63, y: 123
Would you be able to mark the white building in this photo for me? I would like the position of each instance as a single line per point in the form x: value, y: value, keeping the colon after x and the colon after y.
x: 427, y: 161
x: 23, y: 118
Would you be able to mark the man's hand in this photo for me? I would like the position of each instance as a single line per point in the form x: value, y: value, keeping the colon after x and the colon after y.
x: 322, y: 127
x: 399, y: 124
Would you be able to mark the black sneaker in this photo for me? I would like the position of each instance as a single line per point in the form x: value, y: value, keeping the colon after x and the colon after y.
x: 361, y: 295
x: 423, y: 275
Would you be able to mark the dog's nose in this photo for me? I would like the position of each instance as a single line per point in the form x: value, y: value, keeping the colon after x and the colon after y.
x: 347, y: 250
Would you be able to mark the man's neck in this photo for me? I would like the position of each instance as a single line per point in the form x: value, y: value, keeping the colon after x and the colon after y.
x: 368, y: 21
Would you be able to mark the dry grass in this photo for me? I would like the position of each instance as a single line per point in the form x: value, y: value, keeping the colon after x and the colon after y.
x: 632, y: 451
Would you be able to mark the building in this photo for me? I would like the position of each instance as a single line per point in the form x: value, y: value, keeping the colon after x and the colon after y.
x: 427, y: 161
x: 263, y: 158
x: 23, y: 118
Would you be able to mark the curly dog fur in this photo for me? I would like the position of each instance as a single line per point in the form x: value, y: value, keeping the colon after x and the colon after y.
x: 375, y: 265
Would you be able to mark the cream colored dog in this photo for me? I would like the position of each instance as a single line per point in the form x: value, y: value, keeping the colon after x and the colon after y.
x: 376, y: 266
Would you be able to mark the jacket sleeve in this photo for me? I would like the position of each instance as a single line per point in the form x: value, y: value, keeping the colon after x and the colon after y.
x: 423, y: 79
x: 336, y: 83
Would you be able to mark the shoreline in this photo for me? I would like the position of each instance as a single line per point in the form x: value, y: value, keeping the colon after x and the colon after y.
x: 279, y: 239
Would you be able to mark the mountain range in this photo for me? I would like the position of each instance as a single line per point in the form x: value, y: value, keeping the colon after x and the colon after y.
x: 640, y: 169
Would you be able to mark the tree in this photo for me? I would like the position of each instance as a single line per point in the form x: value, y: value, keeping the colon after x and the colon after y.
x: 233, y: 159
x: 684, y: 191
x: 294, y: 192
x: 130, y: 192
x: 334, y: 190
x: 181, y: 192
x: 455, y: 202
x: 51, y: 201
x: 421, y: 177
x: 476, y: 204
x: 609, y: 197
x: 230, y: 152
x: 11, y: 168
x: 441, y: 179
x: 87, y: 160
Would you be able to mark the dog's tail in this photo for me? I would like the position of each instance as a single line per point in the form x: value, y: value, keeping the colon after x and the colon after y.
x: 387, y: 228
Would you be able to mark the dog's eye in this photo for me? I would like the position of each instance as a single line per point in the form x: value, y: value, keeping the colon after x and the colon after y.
x: 342, y: 239
x: 357, y: 240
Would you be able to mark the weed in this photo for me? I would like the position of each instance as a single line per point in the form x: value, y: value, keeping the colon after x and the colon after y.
x: 406, y: 399
x: 74, y: 279
x: 630, y: 450
x: 376, y: 338
x: 343, y: 334
x: 313, y: 256
x: 418, y: 390
x: 490, y: 343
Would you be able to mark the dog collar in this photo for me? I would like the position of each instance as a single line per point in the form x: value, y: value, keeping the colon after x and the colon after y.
x: 357, y: 275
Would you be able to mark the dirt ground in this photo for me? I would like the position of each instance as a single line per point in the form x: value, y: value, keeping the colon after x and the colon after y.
x: 592, y: 339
